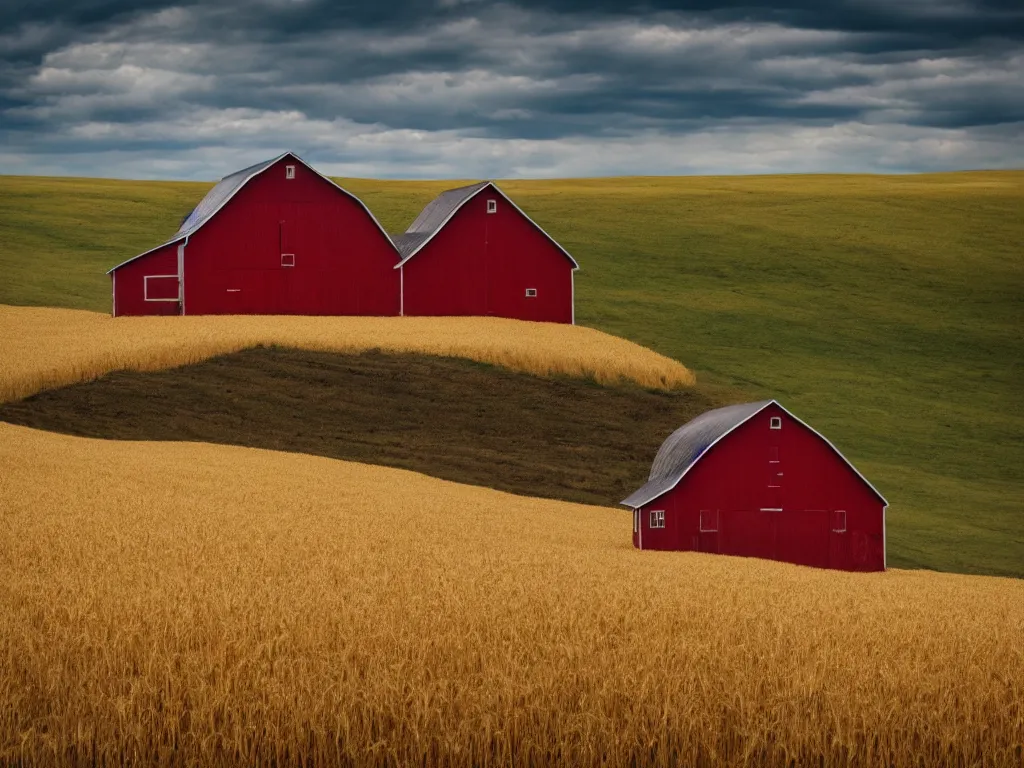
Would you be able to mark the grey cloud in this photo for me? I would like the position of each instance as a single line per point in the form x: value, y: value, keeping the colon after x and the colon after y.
x: 457, y: 88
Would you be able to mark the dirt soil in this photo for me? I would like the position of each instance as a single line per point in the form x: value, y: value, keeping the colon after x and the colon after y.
x: 559, y: 438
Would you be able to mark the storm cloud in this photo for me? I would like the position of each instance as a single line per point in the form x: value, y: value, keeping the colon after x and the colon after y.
x: 470, y: 88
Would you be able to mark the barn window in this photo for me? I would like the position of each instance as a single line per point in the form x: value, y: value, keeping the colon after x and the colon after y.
x: 708, y: 520
x: 492, y: 206
x: 839, y: 521
x: 287, y: 259
x: 657, y: 518
x: 161, y: 288
x: 289, y: 171
x: 776, y: 422
x: 531, y: 293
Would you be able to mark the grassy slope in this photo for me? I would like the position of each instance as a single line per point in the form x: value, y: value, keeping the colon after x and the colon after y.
x: 885, y: 311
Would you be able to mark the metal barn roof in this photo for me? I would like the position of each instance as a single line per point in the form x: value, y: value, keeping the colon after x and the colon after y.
x: 684, y: 448
x: 441, y: 209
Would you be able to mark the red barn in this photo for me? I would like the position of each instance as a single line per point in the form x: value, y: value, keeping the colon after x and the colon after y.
x: 753, y: 480
x: 472, y: 251
x: 275, y: 238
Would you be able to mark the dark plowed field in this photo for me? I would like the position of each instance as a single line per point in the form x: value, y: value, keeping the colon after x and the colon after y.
x: 558, y: 438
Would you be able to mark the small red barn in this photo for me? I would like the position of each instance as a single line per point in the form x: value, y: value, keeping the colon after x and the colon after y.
x: 753, y: 480
x: 472, y: 251
x: 275, y: 238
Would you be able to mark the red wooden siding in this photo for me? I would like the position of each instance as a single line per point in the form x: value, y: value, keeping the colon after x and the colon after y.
x: 130, y: 284
x: 482, y: 263
x: 779, y: 494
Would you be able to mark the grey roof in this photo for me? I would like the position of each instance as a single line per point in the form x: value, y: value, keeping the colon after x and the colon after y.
x: 442, y: 207
x: 407, y: 243
x: 440, y: 210
x: 219, y: 195
x: 686, y: 445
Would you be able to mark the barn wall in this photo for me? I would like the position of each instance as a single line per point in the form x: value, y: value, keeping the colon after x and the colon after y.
x: 735, y: 480
x: 482, y: 264
x: 343, y: 263
x: 129, y: 284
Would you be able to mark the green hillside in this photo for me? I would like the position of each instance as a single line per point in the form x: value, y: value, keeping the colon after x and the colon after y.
x: 888, y: 312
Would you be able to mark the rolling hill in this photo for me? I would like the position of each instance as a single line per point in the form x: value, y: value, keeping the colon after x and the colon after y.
x: 887, y: 311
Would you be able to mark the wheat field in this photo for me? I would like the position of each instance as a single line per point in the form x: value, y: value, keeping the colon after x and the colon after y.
x: 41, y: 348
x: 189, y: 604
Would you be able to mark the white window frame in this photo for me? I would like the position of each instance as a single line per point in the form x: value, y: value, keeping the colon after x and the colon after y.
x: 531, y: 293
x: 492, y: 205
x: 289, y: 172
x: 287, y: 259
x: 775, y: 423
x: 656, y: 519
x: 145, y: 287
x: 700, y: 521
x: 843, y: 513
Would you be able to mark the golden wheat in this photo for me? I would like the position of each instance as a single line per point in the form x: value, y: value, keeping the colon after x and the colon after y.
x: 193, y: 604
x: 42, y: 348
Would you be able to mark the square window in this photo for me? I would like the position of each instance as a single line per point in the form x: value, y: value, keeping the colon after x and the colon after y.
x: 289, y: 171
x: 287, y: 259
x: 657, y: 518
x: 776, y: 422
x: 492, y: 206
x: 531, y: 293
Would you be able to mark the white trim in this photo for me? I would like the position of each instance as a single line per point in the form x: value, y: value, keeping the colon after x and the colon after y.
x: 181, y: 275
x: 273, y: 163
x: 283, y: 264
x: 233, y: 290
x: 145, y: 287
x: 885, y: 556
x: 530, y: 295
x: 401, y: 292
x: 458, y: 208
x: 656, y: 514
x: 770, y: 509
x: 289, y: 172
x: 740, y: 424
x: 113, y: 295
x: 640, y: 538
x: 492, y: 205
x: 572, y: 295
x: 775, y: 422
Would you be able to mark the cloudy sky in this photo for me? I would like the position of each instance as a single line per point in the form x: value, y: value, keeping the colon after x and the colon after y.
x: 526, y: 88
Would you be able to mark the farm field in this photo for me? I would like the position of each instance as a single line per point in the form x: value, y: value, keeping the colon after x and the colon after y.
x: 201, y: 604
x: 563, y: 438
x: 42, y: 348
x: 886, y: 311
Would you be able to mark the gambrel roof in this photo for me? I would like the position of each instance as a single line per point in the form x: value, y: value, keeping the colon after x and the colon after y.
x: 440, y: 211
x: 227, y: 188
x: 685, y: 447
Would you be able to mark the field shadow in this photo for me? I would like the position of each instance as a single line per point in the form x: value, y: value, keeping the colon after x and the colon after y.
x: 560, y: 438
